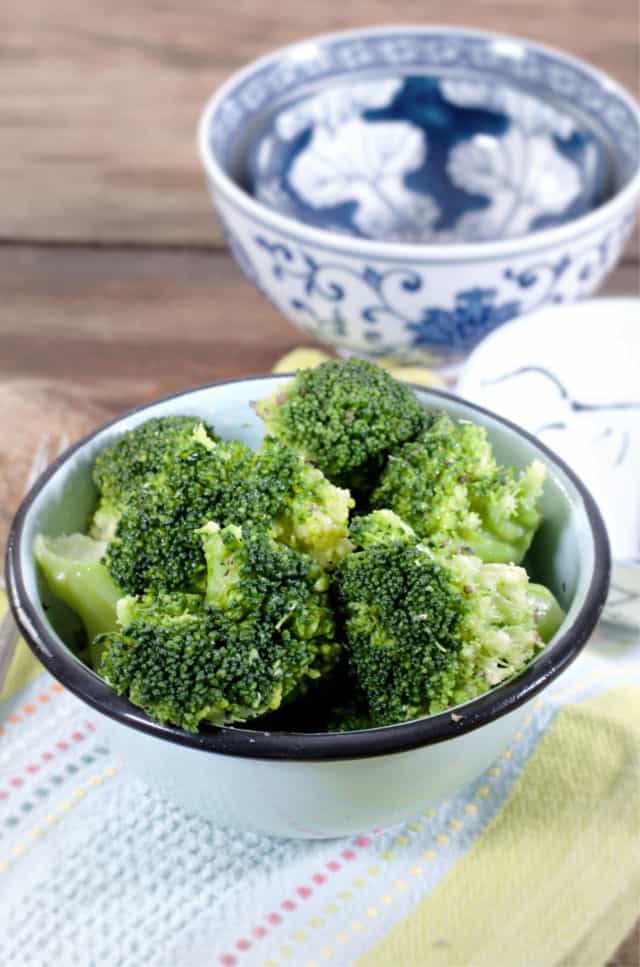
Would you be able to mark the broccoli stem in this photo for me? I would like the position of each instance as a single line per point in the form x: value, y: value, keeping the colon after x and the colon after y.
x: 72, y: 567
x: 547, y: 613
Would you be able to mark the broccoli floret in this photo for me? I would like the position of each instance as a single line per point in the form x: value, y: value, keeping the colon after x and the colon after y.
x: 143, y: 451
x: 252, y: 579
x: 500, y: 633
x: 547, y: 613
x: 344, y: 417
x: 402, y: 619
x: 380, y: 527
x: 124, y: 465
x: 250, y: 574
x: 156, y: 546
x: 425, y: 632
x: 73, y: 570
x: 166, y: 657
x: 305, y: 510
x: 447, y: 486
x: 262, y: 631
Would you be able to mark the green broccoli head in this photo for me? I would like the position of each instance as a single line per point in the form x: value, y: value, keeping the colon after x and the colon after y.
x: 263, y: 631
x: 425, y: 632
x: 403, y: 615
x: 380, y: 527
x: 156, y: 546
x: 136, y: 456
x: 344, y: 417
x: 447, y: 486
x: 304, y: 510
x: 500, y: 633
x: 169, y: 657
x: 250, y: 574
x: 72, y: 567
x: 254, y: 580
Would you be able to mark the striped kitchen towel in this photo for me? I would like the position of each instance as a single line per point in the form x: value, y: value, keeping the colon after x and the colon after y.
x: 535, y: 864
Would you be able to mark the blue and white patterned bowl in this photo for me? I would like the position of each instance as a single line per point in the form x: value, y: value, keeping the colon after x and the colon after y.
x: 490, y: 176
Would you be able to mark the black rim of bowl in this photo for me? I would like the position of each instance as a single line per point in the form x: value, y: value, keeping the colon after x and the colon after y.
x: 309, y: 746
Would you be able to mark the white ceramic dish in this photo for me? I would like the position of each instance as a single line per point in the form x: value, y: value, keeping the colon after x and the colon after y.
x: 571, y: 376
x: 314, y: 784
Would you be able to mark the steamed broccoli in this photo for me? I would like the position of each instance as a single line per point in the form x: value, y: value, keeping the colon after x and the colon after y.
x: 74, y: 572
x: 448, y: 487
x: 124, y: 465
x: 547, y: 613
x: 303, y: 509
x: 166, y: 657
x: 218, y: 575
x: 425, y: 632
x: 156, y: 546
x: 380, y: 527
x: 344, y: 417
x: 263, y: 630
x: 249, y: 573
x: 251, y: 577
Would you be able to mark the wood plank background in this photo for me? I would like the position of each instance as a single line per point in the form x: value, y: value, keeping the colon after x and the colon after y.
x: 99, y: 101
x: 114, y: 281
x: 128, y: 325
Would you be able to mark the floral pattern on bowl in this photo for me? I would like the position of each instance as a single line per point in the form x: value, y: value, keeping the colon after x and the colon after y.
x: 421, y: 159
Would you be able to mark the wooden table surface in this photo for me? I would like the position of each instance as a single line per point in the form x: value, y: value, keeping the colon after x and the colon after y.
x: 113, y: 276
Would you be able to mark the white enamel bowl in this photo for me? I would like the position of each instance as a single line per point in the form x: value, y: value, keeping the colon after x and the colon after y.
x: 314, y: 785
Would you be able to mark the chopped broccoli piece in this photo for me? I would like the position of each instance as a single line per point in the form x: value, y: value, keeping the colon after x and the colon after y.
x: 139, y: 453
x: 156, y: 546
x: 132, y: 458
x: 447, y: 486
x: 252, y: 578
x: 344, y: 417
x: 263, y: 630
x: 72, y: 567
x: 307, y: 512
x: 167, y: 657
x: 426, y: 632
x: 249, y: 574
x: 500, y: 633
x: 547, y: 613
x: 380, y: 527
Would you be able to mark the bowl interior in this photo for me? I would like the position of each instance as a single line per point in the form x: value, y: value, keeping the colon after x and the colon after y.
x: 426, y: 158
x: 424, y: 134
x: 562, y: 556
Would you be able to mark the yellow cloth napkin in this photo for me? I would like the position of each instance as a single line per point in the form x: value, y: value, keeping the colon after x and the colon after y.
x: 554, y: 879
x: 24, y: 666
